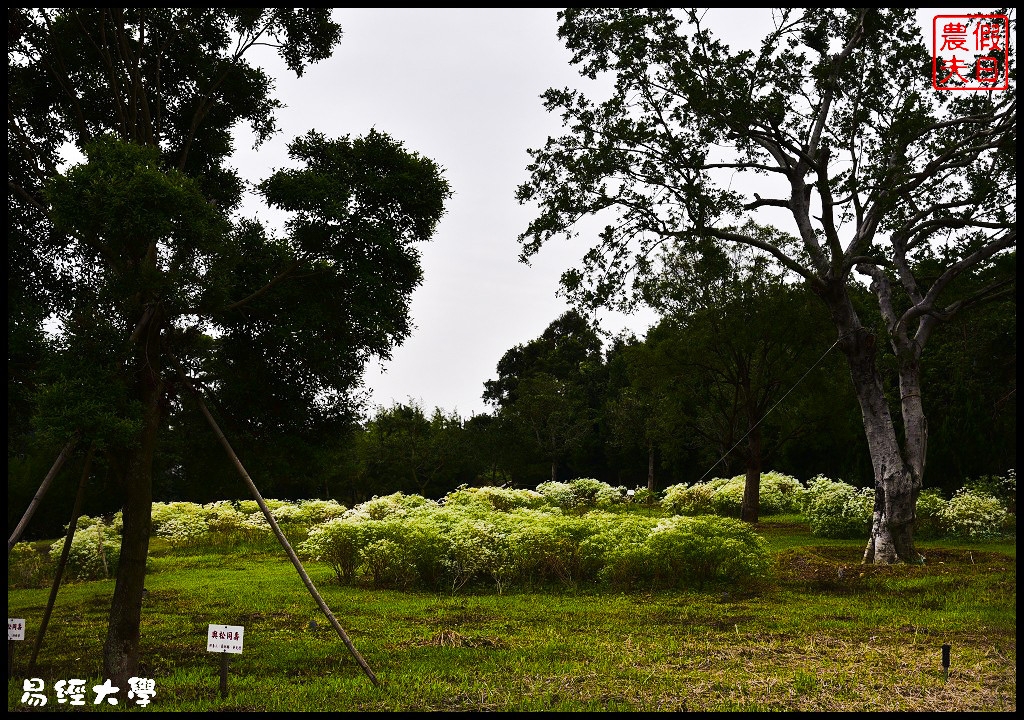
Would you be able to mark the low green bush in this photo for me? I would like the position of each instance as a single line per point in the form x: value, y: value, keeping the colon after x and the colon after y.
x: 495, y: 498
x: 645, y: 496
x: 931, y: 507
x: 449, y: 546
x: 1003, y: 487
x: 27, y: 567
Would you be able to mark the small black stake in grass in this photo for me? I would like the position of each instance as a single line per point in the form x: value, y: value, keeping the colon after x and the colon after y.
x: 223, y: 675
x: 945, y: 660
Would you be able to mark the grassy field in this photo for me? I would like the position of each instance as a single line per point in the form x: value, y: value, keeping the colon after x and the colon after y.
x: 823, y: 634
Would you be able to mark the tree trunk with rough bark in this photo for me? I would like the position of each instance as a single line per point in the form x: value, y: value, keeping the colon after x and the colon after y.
x: 752, y: 487
x: 650, y: 466
x: 897, y: 484
x: 134, y: 470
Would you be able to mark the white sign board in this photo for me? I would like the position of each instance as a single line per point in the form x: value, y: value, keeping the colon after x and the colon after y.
x: 15, y: 628
x: 225, y: 638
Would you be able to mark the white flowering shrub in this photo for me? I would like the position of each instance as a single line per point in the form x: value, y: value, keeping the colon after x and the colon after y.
x: 162, y: 512
x: 972, y: 515
x: 389, y: 562
x: 1003, y: 487
x: 837, y: 509
x: 557, y: 493
x: 645, y: 496
x: 94, y: 552
x: 695, y: 499
x: 395, y: 505
x: 727, y: 499
x: 673, y: 498
x: 495, y: 498
x: 779, y: 493
x: 313, y: 512
x: 251, y: 507
x: 581, y: 493
x: 338, y: 543
x: 617, y: 552
x: 449, y: 546
x: 226, y: 523
x: 186, y: 530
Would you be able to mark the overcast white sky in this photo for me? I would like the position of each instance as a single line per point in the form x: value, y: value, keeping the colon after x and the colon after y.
x: 462, y: 88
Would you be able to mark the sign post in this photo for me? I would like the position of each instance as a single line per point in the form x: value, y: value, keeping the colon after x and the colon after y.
x: 224, y: 639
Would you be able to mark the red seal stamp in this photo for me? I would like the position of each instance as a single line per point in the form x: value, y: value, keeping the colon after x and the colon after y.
x: 970, y: 52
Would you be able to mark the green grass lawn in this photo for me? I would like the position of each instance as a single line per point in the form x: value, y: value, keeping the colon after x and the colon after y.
x: 824, y: 633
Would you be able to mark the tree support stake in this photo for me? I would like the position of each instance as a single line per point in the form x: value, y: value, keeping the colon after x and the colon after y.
x: 41, y: 492
x: 273, y: 525
x: 64, y: 553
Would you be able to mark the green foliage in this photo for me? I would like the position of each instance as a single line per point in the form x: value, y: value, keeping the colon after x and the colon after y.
x: 27, y: 567
x: 930, y: 510
x: 702, y: 549
x: 227, y: 524
x: 336, y: 542
x: 1003, y: 487
x: 646, y: 496
x: 396, y: 505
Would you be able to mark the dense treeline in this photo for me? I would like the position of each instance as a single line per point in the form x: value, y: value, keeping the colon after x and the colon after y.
x: 658, y: 410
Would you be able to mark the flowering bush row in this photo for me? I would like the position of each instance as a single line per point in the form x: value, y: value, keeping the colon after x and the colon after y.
x: 433, y: 546
x: 838, y: 510
x: 512, y: 536
x: 724, y: 496
x: 224, y: 523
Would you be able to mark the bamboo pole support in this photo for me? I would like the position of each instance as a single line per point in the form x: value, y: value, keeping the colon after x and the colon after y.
x: 41, y: 492
x: 274, y: 526
x: 64, y: 553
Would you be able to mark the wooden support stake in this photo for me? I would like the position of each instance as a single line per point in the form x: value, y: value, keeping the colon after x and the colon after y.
x: 273, y: 526
x: 223, y: 675
x: 64, y: 553
x: 30, y: 511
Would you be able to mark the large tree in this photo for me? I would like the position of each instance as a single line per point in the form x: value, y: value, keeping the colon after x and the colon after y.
x: 139, y: 254
x: 835, y: 120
